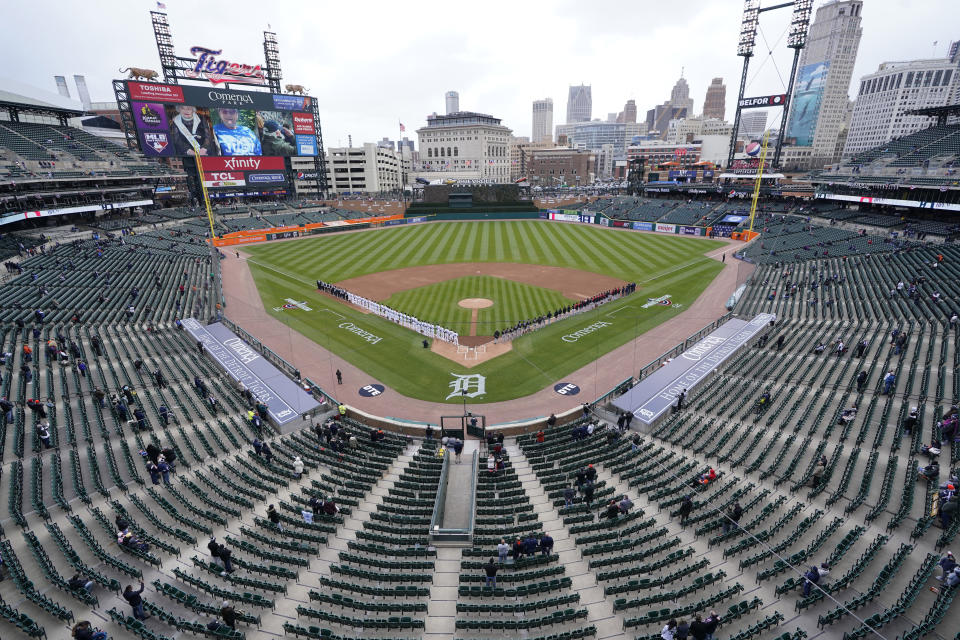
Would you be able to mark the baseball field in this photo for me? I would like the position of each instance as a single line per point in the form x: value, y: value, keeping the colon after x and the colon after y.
x: 517, y: 269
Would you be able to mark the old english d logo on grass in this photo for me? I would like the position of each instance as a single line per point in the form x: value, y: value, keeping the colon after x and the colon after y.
x: 469, y: 386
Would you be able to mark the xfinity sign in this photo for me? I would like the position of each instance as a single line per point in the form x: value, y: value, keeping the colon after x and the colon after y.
x: 764, y: 101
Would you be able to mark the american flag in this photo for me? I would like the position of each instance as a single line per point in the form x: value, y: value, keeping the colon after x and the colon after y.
x: 160, y: 5
x: 402, y: 128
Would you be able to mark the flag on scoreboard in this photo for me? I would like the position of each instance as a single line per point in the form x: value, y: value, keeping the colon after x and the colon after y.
x: 160, y: 5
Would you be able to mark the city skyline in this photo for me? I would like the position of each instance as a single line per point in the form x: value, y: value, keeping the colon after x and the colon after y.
x: 350, y: 87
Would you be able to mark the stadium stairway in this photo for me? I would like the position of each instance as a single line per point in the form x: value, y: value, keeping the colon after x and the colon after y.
x: 600, y: 614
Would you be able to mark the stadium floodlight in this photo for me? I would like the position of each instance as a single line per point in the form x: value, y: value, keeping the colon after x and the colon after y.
x: 748, y: 28
x: 799, y: 24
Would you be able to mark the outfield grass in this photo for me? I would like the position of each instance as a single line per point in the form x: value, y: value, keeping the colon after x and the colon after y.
x: 659, y: 264
x: 628, y: 256
x: 512, y: 301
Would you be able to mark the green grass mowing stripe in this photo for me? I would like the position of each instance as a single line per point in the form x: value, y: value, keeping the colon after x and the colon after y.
x: 453, y: 249
x: 541, y: 248
x: 499, y: 246
x: 439, y: 244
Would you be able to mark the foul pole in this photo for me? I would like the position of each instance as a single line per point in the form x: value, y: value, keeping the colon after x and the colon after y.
x: 756, y: 185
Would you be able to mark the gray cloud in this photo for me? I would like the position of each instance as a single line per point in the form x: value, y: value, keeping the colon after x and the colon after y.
x: 374, y: 64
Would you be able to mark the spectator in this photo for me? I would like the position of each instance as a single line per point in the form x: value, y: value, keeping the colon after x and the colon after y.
x: 711, y: 624
x: 948, y: 510
x: 458, y: 449
x: 164, y: 469
x: 78, y: 582
x: 267, y: 453
x: 229, y: 614
x: 613, y: 510
x: 682, y: 631
x: 540, y: 436
x: 910, y: 421
x: 812, y: 577
x: 502, y: 550
x: 491, y: 570
x: 153, y: 471
x: 6, y: 407
x: 225, y: 555
x: 133, y: 597
x: 298, y: 467
x: 625, y: 504
x: 546, y: 544
x: 947, y: 564
x: 861, y: 380
x: 83, y: 630
x: 43, y: 432
x: 668, y: 631
x: 274, y: 517
x: 100, y: 397
x: 568, y: 495
x: 732, y: 520
x: 588, y: 490
x: 686, y: 506
x: 888, y: 381
x: 530, y: 546
x: 164, y: 414
x: 141, y: 418
x: 698, y: 629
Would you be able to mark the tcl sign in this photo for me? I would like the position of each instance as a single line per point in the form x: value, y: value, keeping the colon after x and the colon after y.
x: 763, y: 101
x: 223, y: 175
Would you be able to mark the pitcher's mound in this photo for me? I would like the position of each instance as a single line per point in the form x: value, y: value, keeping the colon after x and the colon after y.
x: 475, y: 303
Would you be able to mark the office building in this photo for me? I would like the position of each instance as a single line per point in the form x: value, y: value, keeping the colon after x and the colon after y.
x: 579, y: 104
x: 753, y: 122
x: 820, y: 101
x: 367, y: 169
x: 464, y: 146
x: 593, y: 135
x: 630, y: 111
x: 715, y: 102
x: 452, y: 99
x: 561, y: 166
x: 879, y: 113
x: 542, y: 120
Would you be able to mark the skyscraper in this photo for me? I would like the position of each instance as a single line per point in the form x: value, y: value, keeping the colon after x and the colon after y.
x: 714, y: 104
x: 630, y: 111
x: 886, y: 95
x: 680, y: 95
x: 453, y: 101
x: 542, y: 120
x: 579, y: 104
x: 819, y: 106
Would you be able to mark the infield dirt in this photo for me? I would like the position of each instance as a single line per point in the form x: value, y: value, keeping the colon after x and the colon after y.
x: 572, y: 283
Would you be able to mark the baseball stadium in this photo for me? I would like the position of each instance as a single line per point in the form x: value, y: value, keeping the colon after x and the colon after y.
x: 236, y: 403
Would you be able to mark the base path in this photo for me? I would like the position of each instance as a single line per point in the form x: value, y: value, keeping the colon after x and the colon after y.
x: 245, y: 308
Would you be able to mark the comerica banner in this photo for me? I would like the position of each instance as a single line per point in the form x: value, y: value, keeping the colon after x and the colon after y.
x: 222, y: 122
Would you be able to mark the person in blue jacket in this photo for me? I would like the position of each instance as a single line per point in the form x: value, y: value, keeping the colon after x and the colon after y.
x: 234, y: 138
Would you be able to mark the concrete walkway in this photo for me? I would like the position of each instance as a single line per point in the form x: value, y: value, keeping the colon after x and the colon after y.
x: 458, y: 508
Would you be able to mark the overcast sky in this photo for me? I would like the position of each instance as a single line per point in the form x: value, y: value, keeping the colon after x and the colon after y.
x: 374, y: 64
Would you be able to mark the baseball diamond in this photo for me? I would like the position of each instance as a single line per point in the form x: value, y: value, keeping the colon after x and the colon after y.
x: 524, y: 267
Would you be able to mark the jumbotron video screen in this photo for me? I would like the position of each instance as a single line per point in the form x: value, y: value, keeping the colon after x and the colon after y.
x: 222, y: 122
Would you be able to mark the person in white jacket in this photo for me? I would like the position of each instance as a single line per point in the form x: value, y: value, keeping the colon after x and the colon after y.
x: 298, y: 467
